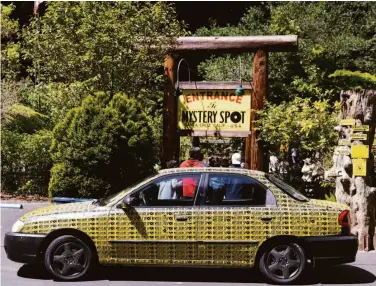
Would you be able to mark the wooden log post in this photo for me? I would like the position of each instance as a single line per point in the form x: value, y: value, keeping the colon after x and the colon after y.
x: 358, y: 108
x: 169, y: 144
x: 254, y: 157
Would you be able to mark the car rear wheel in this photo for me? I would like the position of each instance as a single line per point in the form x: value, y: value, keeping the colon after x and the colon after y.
x: 68, y: 258
x: 283, y: 263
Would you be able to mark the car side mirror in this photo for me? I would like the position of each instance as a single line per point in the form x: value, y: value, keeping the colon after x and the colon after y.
x: 126, y: 203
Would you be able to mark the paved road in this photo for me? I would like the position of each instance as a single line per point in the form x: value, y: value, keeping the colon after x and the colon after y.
x: 362, y: 272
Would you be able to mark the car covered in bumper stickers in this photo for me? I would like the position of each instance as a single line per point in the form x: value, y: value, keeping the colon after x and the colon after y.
x: 212, y: 217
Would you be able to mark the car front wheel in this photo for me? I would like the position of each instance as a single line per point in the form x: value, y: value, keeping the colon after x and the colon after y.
x: 68, y: 258
x: 283, y: 263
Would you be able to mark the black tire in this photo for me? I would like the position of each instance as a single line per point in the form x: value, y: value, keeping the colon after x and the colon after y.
x: 68, y: 258
x: 283, y: 263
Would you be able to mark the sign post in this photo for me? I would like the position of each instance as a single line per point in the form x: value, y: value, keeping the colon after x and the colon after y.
x: 254, y: 155
x: 170, y: 144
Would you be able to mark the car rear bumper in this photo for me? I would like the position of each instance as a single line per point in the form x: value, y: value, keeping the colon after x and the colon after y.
x: 331, y: 250
x: 23, y: 247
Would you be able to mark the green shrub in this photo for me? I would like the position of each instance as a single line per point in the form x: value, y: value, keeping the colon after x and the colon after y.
x: 26, y: 162
x: 101, y: 147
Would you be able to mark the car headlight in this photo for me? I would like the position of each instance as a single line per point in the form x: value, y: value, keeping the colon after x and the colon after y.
x: 17, y: 226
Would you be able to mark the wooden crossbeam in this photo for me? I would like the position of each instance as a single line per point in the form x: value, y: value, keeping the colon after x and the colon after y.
x: 275, y: 43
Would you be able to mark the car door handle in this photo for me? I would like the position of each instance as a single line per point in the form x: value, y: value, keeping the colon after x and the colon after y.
x: 182, y: 218
x: 266, y: 219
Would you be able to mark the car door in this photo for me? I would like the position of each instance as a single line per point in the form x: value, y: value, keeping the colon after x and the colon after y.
x: 160, y: 226
x: 234, y: 218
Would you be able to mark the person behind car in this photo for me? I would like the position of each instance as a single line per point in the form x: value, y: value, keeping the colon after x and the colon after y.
x: 190, y: 184
x: 225, y: 163
x: 217, y: 184
x: 169, y: 190
x: 235, y: 189
x: 201, y: 159
x: 236, y: 160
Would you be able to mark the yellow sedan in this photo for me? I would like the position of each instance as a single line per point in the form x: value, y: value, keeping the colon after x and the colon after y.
x: 214, y: 217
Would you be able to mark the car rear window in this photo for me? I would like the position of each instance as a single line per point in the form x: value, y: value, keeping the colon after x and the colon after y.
x: 291, y: 191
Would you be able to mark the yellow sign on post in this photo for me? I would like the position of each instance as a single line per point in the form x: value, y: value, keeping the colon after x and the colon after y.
x: 347, y: 122
x: 359, y: 167
x: 364, y: 128
x: 214, y: 110
x: 344, y: 142
x: 358, y: 136
x: 360, y: 151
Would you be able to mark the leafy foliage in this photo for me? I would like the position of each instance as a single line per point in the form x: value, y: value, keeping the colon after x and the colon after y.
x: 304, y: 124
x: 354, y: 80
x: 109, y: 46
x: 101, y: 147
x: 26, y: 162
x: 73, y: 51
x: 10, y: 48
x: 331, y: 35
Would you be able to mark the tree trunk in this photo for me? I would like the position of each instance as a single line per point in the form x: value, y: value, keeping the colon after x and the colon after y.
x: 357, y: 191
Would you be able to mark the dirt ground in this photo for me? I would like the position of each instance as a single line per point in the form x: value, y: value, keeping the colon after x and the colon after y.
x: 25, y: 198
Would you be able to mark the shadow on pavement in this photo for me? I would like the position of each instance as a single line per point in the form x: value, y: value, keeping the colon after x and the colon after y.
x: 344, y: 274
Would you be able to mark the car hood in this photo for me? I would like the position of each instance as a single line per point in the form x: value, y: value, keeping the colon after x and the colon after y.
x: 72, y: 209
x: 326, y: 205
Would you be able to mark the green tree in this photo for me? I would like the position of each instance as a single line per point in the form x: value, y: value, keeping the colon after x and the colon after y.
x: 25, y: 162
x: 10, y: 45
x: 101, y: 147
x: 299, y: 123
x: 109, y: 46
x: 332, y: 36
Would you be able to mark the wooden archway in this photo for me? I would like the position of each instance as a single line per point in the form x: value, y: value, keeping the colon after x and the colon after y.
x: 261, y: 45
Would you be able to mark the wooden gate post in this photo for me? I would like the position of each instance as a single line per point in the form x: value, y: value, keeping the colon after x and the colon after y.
x: 169, y: 144
x: 254, y: 157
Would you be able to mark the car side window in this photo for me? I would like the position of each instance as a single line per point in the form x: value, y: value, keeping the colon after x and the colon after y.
x: 225, y: 189
x: 175, y: 190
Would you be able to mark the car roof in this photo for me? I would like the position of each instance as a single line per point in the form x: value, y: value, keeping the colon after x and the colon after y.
x: 213, y: 170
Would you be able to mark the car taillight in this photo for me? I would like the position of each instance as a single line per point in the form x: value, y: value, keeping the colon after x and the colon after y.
x: 344, y: 218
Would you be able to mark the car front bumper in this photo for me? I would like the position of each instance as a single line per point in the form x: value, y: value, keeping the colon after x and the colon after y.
x: 23, y: 247
x: 331, y: 250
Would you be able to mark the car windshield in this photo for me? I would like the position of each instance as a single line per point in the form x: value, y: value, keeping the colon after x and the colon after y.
x: 287, y: 188
x: 116, y: 197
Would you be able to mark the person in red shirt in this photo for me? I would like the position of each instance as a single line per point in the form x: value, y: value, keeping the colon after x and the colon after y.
x: 190, y: 184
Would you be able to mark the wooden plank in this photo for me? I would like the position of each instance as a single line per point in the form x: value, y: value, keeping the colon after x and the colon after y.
x: 169, y: 144
x: 254, y: 157
x: 276, y: 43
x: 192, y: 85
x: 214, y: 133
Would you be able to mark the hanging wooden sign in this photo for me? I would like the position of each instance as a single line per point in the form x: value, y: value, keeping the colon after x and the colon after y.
x: 360, y: 151
x: 347, y: 122
x: 358, y: 136
x: 364, y: 128
x: 359, y: 167
x: 210, y: 108
x: 342, y: 150
x: 344, y: 142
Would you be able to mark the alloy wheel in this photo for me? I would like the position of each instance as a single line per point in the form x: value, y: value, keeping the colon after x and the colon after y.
x: 283, y: 262
x: 69, y: 259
